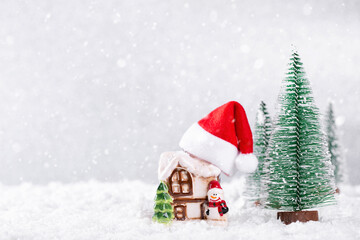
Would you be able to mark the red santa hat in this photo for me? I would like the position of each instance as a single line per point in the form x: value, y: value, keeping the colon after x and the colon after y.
x: 222, y: 138
x: 214, y: 184
x: 214, y: 187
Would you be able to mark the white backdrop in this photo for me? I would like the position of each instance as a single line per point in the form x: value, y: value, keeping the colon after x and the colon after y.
x: 98, y: 89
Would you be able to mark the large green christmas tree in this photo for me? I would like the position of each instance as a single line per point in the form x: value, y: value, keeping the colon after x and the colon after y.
x: 300, y: 171
x: 333, y: 145
x: 163, y: 211
x: 254, y: 182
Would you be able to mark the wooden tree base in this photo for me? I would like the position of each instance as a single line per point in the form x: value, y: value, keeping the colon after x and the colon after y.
x: 301, y: 216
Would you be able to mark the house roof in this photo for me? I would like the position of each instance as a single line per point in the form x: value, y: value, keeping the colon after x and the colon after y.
x: 170, y: 160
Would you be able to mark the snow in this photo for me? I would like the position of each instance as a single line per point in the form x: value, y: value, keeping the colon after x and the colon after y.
x: 123, y: 210
x: 246, y: 163
x: 307, y: 9
x: 170, y: 160
x: 80, y: 77
x: 121, y: 63
x: 260, y: 118
x: 258, y: 63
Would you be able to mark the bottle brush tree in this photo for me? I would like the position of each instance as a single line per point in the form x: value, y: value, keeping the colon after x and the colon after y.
x: 300, y: 175
x: 163, y: 211
x: 333, y: 145
x: 254, y: 181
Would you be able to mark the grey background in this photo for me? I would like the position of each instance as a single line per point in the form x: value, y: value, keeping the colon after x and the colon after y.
x: 98, y: 89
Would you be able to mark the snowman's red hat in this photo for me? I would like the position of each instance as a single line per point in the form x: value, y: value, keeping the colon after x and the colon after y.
x: 214, y: 184
x: 214, y: 187
x: 222, y: 138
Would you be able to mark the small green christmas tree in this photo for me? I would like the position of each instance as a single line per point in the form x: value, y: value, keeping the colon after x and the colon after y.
x: 163, y: 211
x: 333, y: 145
x: 255, y: 184
x: 300, y: 171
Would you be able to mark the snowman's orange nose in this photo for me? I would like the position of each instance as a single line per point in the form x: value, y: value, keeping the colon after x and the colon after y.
x: 213, y: 197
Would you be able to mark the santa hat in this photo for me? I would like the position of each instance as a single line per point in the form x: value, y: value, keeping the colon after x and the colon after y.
x: 222, y: 138
x: 214, y: 186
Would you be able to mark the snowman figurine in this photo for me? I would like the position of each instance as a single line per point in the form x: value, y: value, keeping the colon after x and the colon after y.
x: 216, y: 208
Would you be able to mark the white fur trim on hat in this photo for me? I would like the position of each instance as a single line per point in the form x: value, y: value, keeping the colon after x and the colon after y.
x: 210, y: 148
x: 246, y: 163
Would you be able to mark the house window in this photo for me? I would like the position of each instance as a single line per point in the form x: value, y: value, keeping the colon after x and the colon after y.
x: 175, y: 188
x: 180, y: 182
x: 175, y: 177
x: 184, y: 175
x: 185, y: 188
x: 179, y: 212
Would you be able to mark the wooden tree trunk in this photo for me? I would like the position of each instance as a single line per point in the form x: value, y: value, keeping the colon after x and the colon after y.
x: 301, y: 216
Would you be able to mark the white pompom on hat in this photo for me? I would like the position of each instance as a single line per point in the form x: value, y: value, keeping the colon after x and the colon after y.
x: 222, y: 138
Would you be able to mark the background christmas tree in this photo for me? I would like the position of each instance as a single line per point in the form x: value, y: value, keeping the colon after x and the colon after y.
x: 333, y: 145
x: 300, y: 171
x: 254, y: 181
x: 163, y: 211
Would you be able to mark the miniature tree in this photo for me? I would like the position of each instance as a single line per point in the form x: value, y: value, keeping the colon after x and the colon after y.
x: 333, y: 146
x: 163, y: 211
x: 300, y: 171
x: 255, y: 185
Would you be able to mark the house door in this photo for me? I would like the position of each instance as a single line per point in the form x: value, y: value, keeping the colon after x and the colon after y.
x: 180, y: 212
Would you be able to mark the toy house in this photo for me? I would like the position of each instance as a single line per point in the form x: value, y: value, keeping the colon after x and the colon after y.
x: 187, y: 178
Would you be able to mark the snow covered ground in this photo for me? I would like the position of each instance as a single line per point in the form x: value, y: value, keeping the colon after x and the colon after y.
x: 122, y: 210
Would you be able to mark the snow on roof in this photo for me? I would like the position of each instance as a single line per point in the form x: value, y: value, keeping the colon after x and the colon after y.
x: 170, y: 160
